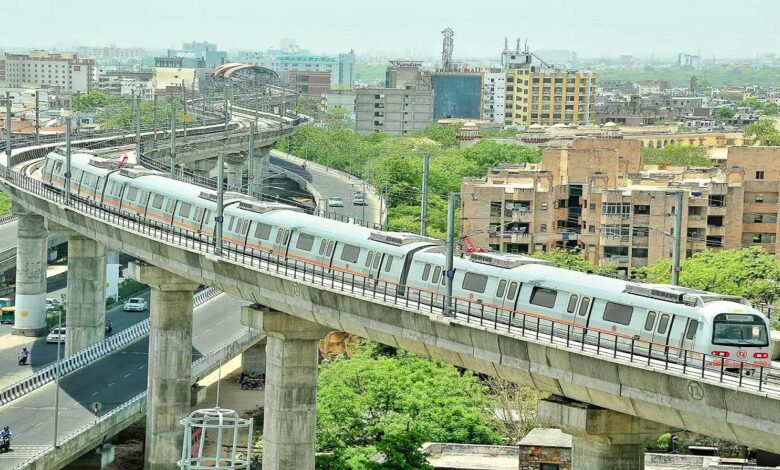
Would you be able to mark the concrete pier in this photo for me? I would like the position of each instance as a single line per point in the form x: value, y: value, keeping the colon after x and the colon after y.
x: 170, y: 362
x: 601, y: 438
x: 290, y: 388
x: 234, y: 170
x: 253, y: 360
x: 31, y: 251
x: 86, y: 301
x: 259, y: 166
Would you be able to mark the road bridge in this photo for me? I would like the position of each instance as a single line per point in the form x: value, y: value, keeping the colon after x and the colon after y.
x: 304, y: 302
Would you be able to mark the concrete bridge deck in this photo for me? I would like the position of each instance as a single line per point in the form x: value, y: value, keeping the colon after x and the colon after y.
x: 742, y: 410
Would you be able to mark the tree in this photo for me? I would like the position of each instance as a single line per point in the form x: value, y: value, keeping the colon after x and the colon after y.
x: 752, y: 273
x: 724, y: 113
x: 516, y: 408
x: 394, y: 404
x: 677, y: 155
x: 764, y: 131
x: 5, y: 204
x: 575, y: 260
x: 445, y: 135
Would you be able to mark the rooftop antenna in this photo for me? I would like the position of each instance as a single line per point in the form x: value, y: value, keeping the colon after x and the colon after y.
x: 446, y: 49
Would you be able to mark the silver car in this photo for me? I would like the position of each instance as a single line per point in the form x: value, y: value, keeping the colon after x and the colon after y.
x: 335, y: 202
x: 135, y: 304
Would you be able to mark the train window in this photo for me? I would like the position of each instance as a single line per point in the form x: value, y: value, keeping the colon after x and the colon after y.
x: 444, y: 276
x: 171, y: 204
x: 436, y: 274
x: 305, y: 242
x: 244, y: 227
x: 388, y: 263
x: 329, y: 250
x: 662, y: 324
x: 157, y: 202
x: 131, y: 194
x: 426, y: 272
x: 230, y: 225
x: 544, y: 297
x: 584, y: 306
x: 572, y: 303
x: 690, y: 333
x: 286, y: 237
x: 279, y: 235
x: 501, y: 288
x: 618, y: 313
x: 350, y: 253
x: 262, y: 231
x: 650, y: 321
x: 512, y: 292
x: 474, y: 282
x: 377, y: 260
x: 185, y: 209
x: 323, y: 244
x: 369, y: 258
x: 198, y: 214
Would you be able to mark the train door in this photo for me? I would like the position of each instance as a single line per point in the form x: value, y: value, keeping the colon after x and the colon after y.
x: 372, y: 263
x: 661, y: 333
x: 682, y: 337
x: 581, y: 314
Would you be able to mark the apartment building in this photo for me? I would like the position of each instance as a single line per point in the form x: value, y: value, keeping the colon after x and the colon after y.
x: 64, y: 72
x: 536, y: 95
x: 594, y: 196
x: 493, y: 95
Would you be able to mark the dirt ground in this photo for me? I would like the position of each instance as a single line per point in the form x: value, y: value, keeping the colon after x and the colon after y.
x: 247, y: 403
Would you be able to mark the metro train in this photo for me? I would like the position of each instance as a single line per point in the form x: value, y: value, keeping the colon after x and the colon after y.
x: 660, y: 320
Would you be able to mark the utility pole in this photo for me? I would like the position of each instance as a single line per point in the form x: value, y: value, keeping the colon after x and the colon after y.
x: 8, y: 126
x: 154, y: 121
x: 67, y: 160
x: 587, y: 100
x: 424, y: 204
x: 677, y: 238
x: 184, y: 103
x: 227, y: 112
x: 37, y: 120
x: 220, y: 205
x: 451, y: 200
x: 57, y: 376
x: 173, y: 137
x: 137, y: 101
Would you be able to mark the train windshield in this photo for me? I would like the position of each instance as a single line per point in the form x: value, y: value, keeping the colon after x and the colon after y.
x: 739, y: 330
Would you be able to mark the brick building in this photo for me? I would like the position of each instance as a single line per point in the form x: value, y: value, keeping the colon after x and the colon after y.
x: 594, y: 196
x: 545, y: 449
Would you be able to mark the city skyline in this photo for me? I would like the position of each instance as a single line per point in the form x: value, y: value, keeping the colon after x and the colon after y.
x: 415, y: 27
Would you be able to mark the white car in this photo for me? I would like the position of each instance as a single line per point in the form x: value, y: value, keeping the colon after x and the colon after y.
x: 136, y: 304
x: 359, y: 199
x: 56, y: 335
x: 335, y: 202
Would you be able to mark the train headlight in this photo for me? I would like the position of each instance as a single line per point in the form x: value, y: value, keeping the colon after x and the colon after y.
x: 760, y: 355
x: 721, y: 353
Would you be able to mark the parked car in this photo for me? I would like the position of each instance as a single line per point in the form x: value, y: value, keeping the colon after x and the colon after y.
x: 135, y: 304
x: 335, y: 202
x: 52, y: 304
x: 56, y: 335
x: 359, y: 199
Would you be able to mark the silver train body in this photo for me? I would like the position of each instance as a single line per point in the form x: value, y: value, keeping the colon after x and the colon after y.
x: 664, y: 320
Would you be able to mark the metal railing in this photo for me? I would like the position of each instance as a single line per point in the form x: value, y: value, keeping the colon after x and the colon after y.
x: 89, y: 355
x: 7, y: 218
x: 590, y: 340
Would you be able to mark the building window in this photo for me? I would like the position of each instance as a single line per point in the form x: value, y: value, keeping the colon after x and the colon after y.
x: 641, y: 210
x: 717, y: 200
x: 639, y: 252
x: 543, y: 228
x: 759, y: 198
x: 759, y: 175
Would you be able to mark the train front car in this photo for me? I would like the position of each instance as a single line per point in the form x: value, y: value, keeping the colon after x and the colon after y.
x: 738, y: 337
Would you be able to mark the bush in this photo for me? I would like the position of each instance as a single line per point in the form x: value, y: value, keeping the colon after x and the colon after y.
x: 130, y: 287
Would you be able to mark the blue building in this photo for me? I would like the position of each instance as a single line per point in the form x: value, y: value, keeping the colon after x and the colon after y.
x: 456, y: 95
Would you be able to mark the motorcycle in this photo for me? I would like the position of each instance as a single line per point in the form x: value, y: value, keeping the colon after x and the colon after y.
x: 23, y: 359
x: 252, y: 384
x: 5, y: 444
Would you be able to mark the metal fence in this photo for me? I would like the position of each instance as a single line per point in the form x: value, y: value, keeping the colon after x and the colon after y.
x: 589, y: 340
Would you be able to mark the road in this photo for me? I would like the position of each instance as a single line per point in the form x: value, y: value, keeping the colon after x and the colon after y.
x: 331, y: 184
x: 111, y: 381
x: 7, y: 235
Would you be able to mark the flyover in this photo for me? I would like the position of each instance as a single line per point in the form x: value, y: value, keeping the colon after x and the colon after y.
x: 744, y: 410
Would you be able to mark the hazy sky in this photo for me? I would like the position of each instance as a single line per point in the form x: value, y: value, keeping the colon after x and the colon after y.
x: 592, y: 28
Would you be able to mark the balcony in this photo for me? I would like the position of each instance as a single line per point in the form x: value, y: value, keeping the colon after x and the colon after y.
x: 716, y: 210
x: 640, y: 241
x: 640, y: 219
x: 620, y: 260
x: 566, y: 236
x: 516, y: 237
x: 638, y: 262
x: 716, y: 230
x: 615, y: 240
x: 518, y: 215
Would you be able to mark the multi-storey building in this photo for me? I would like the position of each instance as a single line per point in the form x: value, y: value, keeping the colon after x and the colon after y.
x: 64, y: 72
x: 392, y: 110
x: 493, y: 95
x: 594, y: 196
x: 536, y: 95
